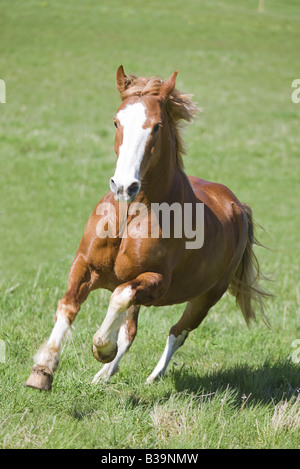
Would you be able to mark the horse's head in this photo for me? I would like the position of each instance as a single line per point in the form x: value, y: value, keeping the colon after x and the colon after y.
x: 139, y: 121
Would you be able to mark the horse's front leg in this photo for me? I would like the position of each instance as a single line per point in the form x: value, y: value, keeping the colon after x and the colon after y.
x: 126, y: 335
x: 47, y: 358
x: 143, y: 290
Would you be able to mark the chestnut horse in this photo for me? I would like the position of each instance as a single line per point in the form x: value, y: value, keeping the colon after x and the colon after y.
x: 158, y: 270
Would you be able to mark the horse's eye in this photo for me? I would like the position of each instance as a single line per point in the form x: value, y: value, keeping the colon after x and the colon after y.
x: 156, y: 128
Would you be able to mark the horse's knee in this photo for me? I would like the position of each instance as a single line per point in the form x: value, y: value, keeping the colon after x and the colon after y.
x: 121, y: 298
x: 67, y: 307
x: 79, y: 286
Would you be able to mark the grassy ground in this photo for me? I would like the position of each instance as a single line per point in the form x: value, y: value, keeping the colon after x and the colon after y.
x: 228, y: 387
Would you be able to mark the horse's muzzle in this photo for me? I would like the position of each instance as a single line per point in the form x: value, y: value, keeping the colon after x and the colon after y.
x: 123, y: 193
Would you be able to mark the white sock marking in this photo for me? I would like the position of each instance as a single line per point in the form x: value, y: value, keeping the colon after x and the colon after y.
x: 173, y: 343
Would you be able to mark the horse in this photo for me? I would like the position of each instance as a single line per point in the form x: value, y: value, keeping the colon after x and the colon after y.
x: 154, y: 270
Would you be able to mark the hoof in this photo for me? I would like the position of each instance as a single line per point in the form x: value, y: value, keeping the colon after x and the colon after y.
x: 106, y: 353
x: 40, y: 378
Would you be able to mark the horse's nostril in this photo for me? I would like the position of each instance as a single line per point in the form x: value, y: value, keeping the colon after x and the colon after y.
x: 115, y: 188
x: 133, y: 188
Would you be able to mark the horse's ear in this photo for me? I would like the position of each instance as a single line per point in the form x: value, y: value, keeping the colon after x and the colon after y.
x: 167, y: 87
x: 121, y: 79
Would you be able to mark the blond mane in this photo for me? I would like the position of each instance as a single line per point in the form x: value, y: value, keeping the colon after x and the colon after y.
x: 179, y: 106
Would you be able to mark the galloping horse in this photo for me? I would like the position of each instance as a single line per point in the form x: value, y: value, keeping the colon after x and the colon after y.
x: 160, y: 270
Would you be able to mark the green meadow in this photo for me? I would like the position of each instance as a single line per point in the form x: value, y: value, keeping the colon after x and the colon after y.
x: 228, y: 386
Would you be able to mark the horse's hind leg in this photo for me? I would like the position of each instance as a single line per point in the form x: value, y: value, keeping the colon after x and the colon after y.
x: 193, y: 315
x: 126, y: 335
x: 46, y: 359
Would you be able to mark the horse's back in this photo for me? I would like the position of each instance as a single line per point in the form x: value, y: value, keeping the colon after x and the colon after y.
x: 218, y: 197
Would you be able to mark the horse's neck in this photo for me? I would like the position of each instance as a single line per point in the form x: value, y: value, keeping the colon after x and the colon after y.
x: 162, y: 180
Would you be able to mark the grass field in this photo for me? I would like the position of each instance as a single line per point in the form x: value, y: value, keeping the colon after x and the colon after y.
x: 228, y: 387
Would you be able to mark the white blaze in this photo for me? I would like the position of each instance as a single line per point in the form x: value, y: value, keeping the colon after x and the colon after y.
x: 132, y: 150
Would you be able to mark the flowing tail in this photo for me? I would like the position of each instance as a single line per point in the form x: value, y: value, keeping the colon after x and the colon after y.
x: 244, y: 285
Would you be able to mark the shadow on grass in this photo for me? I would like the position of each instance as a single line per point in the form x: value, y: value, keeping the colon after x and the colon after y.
x: 268, y: 383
